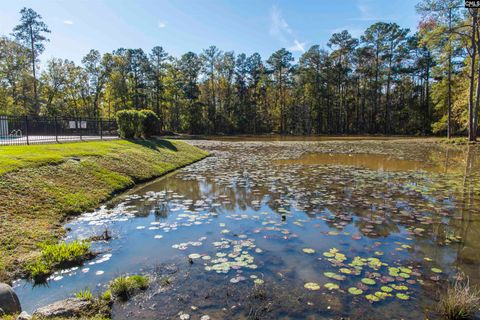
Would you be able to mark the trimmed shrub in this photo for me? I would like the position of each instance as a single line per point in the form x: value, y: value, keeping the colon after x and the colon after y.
x: 129, y: 123
x: 149, y: 123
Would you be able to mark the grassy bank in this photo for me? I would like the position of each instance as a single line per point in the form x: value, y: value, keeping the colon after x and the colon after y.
x: 41, y: 185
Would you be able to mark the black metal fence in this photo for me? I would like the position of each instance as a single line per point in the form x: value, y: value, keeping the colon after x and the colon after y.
x: 23, y: 130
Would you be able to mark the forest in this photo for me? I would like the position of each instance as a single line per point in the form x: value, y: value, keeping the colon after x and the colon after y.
x: 390, y: 80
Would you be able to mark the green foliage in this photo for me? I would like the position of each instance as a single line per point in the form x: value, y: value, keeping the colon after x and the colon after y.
x: 85, y: 294
x: 56, y: 256
x: 124, y: 287
x: 107, y: 295
x: 136, y: 124
x: 129, y: 123
x: 150, y: 122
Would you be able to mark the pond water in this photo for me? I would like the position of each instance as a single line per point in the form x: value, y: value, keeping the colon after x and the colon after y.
x: 288, y: 230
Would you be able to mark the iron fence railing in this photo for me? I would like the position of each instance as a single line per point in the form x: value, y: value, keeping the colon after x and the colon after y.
x: 23, y: 130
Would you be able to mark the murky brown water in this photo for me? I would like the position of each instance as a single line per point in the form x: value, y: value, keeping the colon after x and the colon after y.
x: 292, y: 230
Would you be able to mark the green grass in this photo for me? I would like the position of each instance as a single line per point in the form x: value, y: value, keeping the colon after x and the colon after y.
x: 54, y: 256
x: 42, y: 185
x: 85, y: 294
x: 124, y: 287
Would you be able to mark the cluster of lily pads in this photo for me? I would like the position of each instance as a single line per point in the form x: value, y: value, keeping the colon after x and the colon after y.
x: 372, y: 277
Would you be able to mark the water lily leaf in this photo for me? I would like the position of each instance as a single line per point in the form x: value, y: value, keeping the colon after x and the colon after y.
x: 308, y: 250
x: 355, y: 291
x: 333, y: 275
x: 331, y: 286
x: 402, y: 296
x: 386, y: 289
x: 372, y: 298
x: 312, y: 286
x: 368, y: 281
x: 436, y: 270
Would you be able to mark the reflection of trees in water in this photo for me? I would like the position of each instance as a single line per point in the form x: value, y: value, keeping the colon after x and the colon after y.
x: 468, y: 226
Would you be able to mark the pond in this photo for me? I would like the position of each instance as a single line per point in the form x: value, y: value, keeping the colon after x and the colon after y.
x: 288, y: 230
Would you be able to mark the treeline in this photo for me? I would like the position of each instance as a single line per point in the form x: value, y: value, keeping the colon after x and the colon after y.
x: 390, y: 81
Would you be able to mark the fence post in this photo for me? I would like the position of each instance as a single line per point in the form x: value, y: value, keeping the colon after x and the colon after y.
x: 26, y: 129
x: 55, y: 125
x: 101, y: 131
x: 80, y: 129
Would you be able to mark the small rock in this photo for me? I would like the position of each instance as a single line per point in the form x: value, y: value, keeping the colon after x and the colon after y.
x: 9, y: 303
x: 72, y: 307
x: 24, y: 316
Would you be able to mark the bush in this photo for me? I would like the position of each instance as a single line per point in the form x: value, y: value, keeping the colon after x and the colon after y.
x: 460, y: 301
x: 135, y: 124
x: 149, y: 123
x: 129, y: 123
x: 124, y: 287
x: 59, y: 255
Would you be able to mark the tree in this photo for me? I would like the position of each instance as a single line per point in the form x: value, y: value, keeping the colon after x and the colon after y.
x: 31, y: 32
x: 97, y: 73
x: 281, y: 67
x: 158, y: 65
x: 209, y: 59
x: 438, y: 18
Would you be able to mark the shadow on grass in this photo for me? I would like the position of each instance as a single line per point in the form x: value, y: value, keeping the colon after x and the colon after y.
x: 155, y: 144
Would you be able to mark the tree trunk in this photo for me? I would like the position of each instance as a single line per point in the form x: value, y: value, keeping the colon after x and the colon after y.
x: 471, y: 107
x: 35, y: 94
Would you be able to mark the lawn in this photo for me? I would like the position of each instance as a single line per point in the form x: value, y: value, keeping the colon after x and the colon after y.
x: 42, y: 185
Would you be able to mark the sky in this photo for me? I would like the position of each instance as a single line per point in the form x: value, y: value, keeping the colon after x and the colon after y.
x: 247, y: 26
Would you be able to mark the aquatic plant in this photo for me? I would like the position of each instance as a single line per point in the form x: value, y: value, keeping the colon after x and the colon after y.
x: 85, y: 294
x: 355, y: 291
x: 107, y: 295
x: 54, y: 256
x: 460, y: 301
x: 312, y: 286
x: 165, y: 281
x: 124, y: 287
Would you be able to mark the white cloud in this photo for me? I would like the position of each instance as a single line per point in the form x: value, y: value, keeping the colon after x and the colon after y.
x: 280, y: 29
x: 298, y: 46
x: 69, y: 22
x: 162, y: 24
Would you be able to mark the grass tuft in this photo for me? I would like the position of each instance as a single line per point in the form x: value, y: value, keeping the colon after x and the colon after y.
x: 85, y: 294
x: 460, y: 301
x: 55, y: 256
x: 124, y: 287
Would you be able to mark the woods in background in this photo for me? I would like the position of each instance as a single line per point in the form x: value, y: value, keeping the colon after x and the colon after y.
x: 389, y: 81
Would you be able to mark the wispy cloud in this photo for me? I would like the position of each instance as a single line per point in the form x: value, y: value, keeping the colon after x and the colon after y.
x: 366, y: 13
x: 280, y: 29
x: 162, y: 24
x: 298, y: 46
x: 69, y: 22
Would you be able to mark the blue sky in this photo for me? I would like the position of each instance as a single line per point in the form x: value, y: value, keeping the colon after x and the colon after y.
x: 191, y: 25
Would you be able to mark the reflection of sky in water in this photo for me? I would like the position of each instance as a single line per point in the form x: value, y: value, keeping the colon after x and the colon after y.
x: 397, y: 217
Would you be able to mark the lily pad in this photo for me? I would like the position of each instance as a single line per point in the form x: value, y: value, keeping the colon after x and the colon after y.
x: 368, y: 281
x: 355, y: 291
x: 331, y: 286
x: 312, y: 286
x: 402, y: 296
